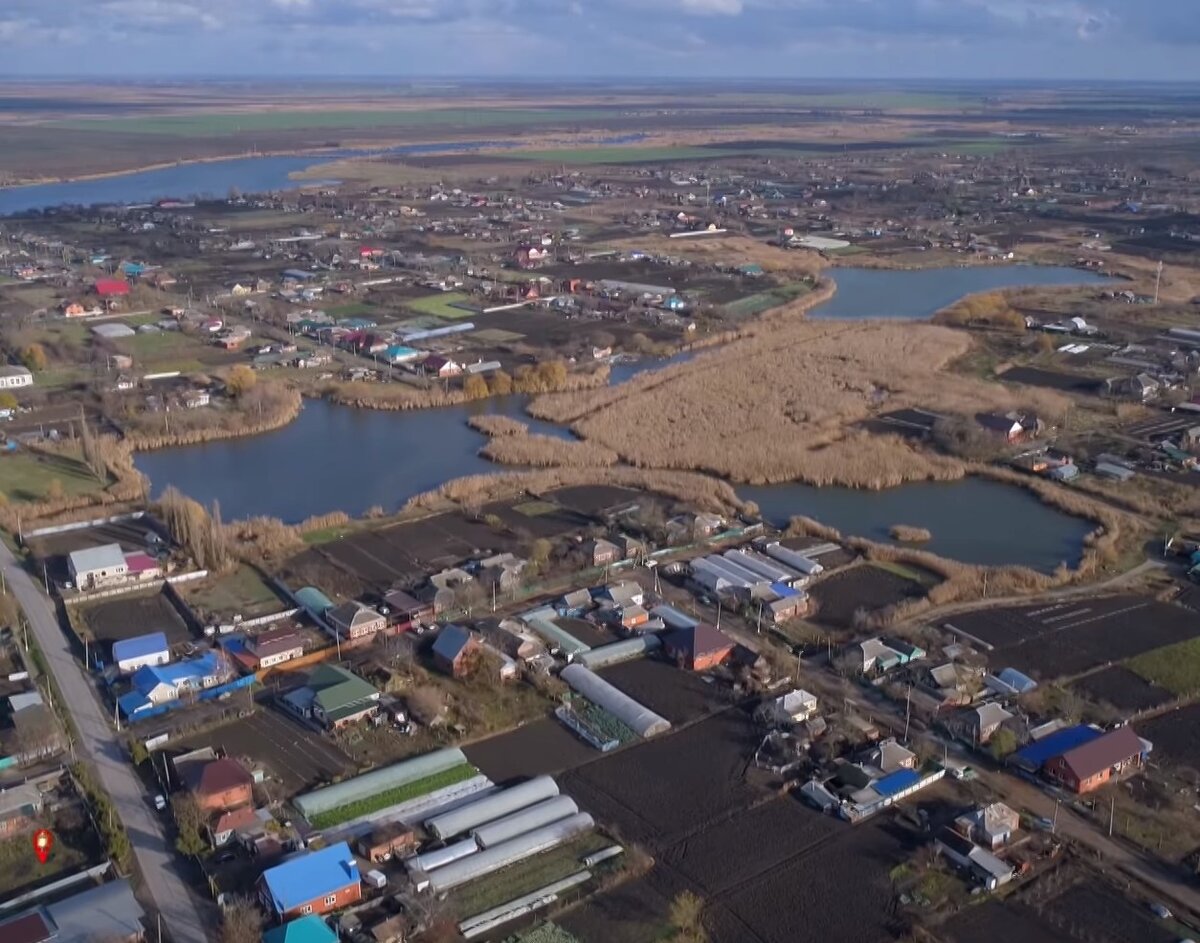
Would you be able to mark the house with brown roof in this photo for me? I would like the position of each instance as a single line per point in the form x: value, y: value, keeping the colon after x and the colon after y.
x: 218, y: 785
x: 698, y: 648
x: 1090, y: 765
x: 275, y: 646
x: 353, y: 620
x: 392, y: 839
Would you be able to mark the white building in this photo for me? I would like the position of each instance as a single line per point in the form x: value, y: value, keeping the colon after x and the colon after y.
x: 98, y: 566
x: 13, y: 377
x: 131, y: 654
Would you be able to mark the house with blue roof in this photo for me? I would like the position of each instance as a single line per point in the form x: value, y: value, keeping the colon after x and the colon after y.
x: 316, y: 882
x: 133, y: 653
x: 153, y: 685
x: 1034, y: 756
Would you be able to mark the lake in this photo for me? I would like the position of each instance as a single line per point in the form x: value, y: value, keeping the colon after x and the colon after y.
x: 918, y: 294
x: 974, y: 520
x: 205, y: 179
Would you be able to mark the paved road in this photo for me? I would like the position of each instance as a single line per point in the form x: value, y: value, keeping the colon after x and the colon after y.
x: 155, y: 855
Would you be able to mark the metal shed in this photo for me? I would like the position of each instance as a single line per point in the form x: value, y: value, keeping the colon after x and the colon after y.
x: 541, y: 622
x: 492, y: 807
x: 617, y: 652
x: 509, y: 852
x: 527, y: 820
x: 639, y: 718
x: 380, y: 780
x: 674, y: 619
x: 794, y: 559
x: 764, y: 567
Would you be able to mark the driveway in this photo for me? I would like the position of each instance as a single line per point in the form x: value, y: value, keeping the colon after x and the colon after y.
x: 156, y: 857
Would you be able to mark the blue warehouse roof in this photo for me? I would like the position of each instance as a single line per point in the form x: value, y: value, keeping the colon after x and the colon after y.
x: 140, y: 646
x: 310, y: 877
x: 1056, y: 744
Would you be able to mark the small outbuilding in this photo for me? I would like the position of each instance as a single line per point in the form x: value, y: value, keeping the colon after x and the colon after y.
x: 453, y: 649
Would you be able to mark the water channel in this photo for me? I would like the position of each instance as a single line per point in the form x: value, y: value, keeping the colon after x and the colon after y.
x: 336, y: 457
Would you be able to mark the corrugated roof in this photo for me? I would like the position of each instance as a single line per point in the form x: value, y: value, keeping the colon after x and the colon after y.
x: 107, y: 557
x: 1056, y: 744
x: 451, y: 642
x: 107, y: 912
x: 148, y: 677
x: 700, y: 640
x: 336, y: 688
x: 313, y: 600
x: 215, y: 776
x: 896, y: 782
x: 153, y: 643
x: 1103, y: 752
x: 308, y: 929
x: 309, y: 877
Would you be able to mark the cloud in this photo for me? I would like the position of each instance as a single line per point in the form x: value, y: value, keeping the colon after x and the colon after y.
x: 1017, y: 38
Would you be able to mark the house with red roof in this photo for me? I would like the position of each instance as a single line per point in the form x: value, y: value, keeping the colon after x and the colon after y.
x: 111, y: 287
x: 218, y: 785
x: 698, y: 648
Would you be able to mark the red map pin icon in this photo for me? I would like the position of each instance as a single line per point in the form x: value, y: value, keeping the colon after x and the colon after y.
x: 43, y: 841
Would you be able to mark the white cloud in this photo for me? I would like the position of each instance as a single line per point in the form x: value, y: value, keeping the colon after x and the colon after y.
x: 712, y: 7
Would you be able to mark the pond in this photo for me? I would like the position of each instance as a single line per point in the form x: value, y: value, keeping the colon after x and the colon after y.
x: 918, y: 294
x: 973, y: 520
x: 335, y: 458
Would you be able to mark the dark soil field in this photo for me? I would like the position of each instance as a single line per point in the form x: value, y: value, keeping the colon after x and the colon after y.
x: 127, y: 616
x: 678, y: 695
x: 1123, y: 689
x: 736, y: 852
x: 999, y: 922
x: 587, y: 632
x: 662, y: 790
x: 634, y: 912
x: 839, y: 596
x: 838, y: 892
x: 1052, y: 379
x: 594, y: 500
x: 1089, y: 911
x: 543, y: 746
x: 298, y: 757
x: 1050, y: 641
x: 131, y: 535
x: 1176, y: 736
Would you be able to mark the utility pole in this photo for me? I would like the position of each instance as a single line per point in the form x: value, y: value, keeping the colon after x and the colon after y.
x: 1157, y: 280
x: 1054, y: 821
x: 907, y: 711
x: 1112, y: 811
x: 718, y: 612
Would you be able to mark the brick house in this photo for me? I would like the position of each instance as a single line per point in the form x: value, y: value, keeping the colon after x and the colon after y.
x: 218, y: 785
x: 353, y: 620
x: 19, y: 808
x: 1089, y: 766
x: 319, y: 882
x: 699, y: 648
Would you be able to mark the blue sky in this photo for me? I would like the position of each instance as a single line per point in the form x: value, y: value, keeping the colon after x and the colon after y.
x: 634, y: 39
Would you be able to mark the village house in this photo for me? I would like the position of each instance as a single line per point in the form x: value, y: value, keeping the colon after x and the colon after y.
x: 698, y: 648
x: 795, y: 707
x: 37, y: 731
x: 333, y: 697
x: 107, y: 912
x: 133, y: 653
x: 354, y: 620
x: 308, y: 929
x: 453, y: 650
x: 275, y: 646
x: 601, y: 552
x: 154, y: 685
x: 217, y: 784
x: 15, y: 377
x: 317, y: 882
x: 20, y: 807
x: 982, y: 722
x: 979, y: 863
x: 992, y: 826
x: 440, y: 367
x: 403, y: 611
x: 889, y: 755
x: 1089, y: 766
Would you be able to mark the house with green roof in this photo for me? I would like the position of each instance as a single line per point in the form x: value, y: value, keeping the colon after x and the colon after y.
x: 333, y: 697
x: 307, y: 929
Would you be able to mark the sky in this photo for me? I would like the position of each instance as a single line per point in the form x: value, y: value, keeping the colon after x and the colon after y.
x: 633, y: 39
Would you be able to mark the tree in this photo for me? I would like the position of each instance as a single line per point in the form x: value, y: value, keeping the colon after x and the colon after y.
x: 34, y: 357
x: 475, y: 387
x: 539, y: 552
x: 190, y: 819
x: 684, y: 916
x: 1002, y: 743
x: 241, y: 380
x: 7, y: 400
x: 241, y: 922
x: 54, y: 490
x: 501, y: 383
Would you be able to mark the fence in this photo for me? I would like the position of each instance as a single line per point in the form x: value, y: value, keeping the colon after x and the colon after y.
x: 83, y: 525
x: 77, y: 596
x: 205, y: 694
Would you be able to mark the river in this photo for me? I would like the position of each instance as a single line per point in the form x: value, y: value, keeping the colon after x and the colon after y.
x: 340, y: 458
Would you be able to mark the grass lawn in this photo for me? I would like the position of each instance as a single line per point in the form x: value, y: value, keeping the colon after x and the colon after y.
x: 293, y: 119
x: 923, y: 577
x: 159, y: 344
x: 626, y: 155
x: 60, y: 378
x: 441, y: 305
x: 74, y: 848
x: 765, y: 300
x: 242, y: 592
x: 26, y: 475
x: 351, y: 310
x: 1174, y: 667
x: 526, y: 876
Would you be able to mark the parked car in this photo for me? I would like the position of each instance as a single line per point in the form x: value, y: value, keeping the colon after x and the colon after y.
x: 160, y: 802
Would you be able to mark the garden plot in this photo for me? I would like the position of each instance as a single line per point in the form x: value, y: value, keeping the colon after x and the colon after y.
x: 679, y: 696
x: 127, y: 616
x: 866, y: 587
x: 1176, y: 736
x: 1062, y: 639
x: 544, y: 746
x: 1125, y: 690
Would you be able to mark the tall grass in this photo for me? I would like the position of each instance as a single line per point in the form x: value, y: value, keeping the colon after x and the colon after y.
x: 544, y: 451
